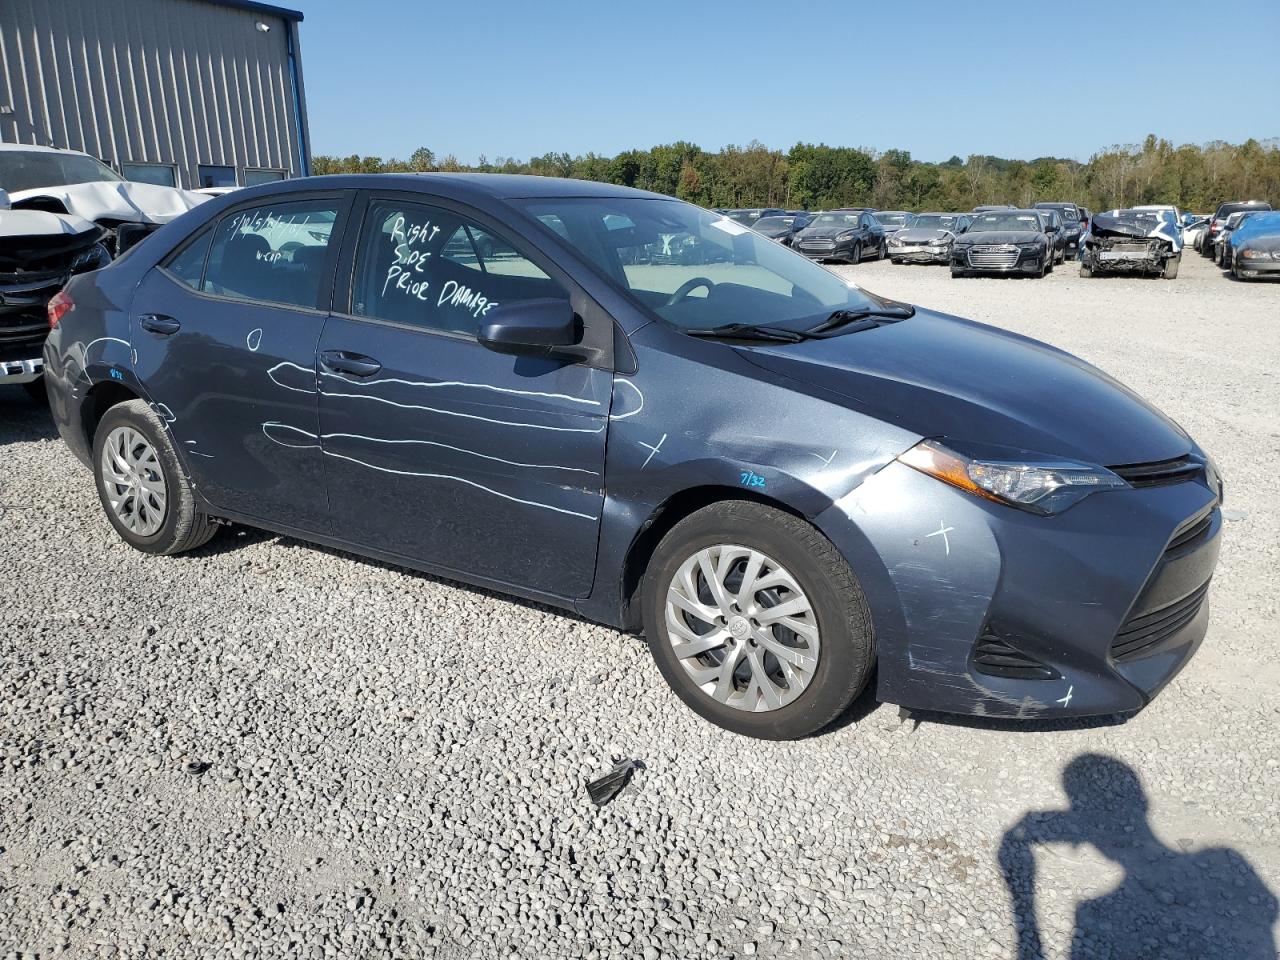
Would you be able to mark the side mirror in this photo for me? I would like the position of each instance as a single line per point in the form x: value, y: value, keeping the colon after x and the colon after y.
x: 530, y: 327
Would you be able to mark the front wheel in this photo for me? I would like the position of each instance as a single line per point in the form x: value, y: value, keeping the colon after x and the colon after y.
x: 146, y: 495
x: 756, y: 621
x: 1086, y: 271
x: 855, y: 255
x: 1171, y: 268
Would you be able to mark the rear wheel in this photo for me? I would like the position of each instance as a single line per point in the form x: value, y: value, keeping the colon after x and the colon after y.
x: 756, y: 621
x: 145, y: 494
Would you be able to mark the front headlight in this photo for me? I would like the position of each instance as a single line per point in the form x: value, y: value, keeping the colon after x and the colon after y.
x: 895, y: 242
x: 1250, y: 254
x: 95, y: 257
x: 1045, y: 485
x: 1030, y: 245
x: 845, y: 236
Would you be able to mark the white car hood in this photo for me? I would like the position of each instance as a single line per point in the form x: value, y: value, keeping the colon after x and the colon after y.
x: 122, y: 200
x: 37, y: 223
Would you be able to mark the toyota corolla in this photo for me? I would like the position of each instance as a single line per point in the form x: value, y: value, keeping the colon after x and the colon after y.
x: 783, y: 480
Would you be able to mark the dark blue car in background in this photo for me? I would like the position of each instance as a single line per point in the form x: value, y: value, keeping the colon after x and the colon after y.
x: 781, y: 478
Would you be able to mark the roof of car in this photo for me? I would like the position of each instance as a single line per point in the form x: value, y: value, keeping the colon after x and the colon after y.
x: 502, y: 186
x: 29, y: 147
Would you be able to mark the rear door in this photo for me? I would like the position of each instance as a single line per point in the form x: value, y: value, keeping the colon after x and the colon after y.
x: 224, y: 333
x: 436, y: 448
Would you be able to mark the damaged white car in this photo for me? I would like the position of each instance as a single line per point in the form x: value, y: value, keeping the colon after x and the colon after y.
x: 1142, y: 241
x: 61, y: 213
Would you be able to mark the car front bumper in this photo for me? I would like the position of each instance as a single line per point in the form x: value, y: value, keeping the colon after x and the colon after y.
x: 1026, y: 261
x: 1257, y: 268
x: 920, y: 254
x: 21, y: 371
x: 1098, y: 596
x: 839, y: 251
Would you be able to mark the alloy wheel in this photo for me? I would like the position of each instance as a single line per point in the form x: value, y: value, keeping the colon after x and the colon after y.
x: 134, y: 481
x: 742, y: 628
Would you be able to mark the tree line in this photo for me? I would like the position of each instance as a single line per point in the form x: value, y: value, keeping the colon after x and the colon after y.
x: 817, y: 176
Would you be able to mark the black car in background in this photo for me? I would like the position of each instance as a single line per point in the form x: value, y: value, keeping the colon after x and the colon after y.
x: 748, y: 216
x: 1005, y: 242
x: 1053, y: 230
x: 782, y: 228
x: 1208, y: 246
x: 927, y: 237
x: 850, y: 235
x: 1072, y: 216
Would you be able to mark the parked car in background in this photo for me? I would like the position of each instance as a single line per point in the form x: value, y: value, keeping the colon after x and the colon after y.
x: 1255, y: 247
x: 1004, y: 242
x: 1053, y: 230
x: 1193, y: 231
x: 1141, y: 241
x: 892, y: 220
x: 1072, y: 217
x: 927, y: 238
x: 62, y: 213
x: 748, y: 217
x: 850, y: 236
x: 788, y: 483
x: 1208, y: 245
x: 1222, y: 242
x: 780, y: 228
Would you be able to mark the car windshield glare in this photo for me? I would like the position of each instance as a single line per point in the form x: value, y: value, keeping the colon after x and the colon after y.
x: 891, y: 219
x: 767, y: 223
x: 31, y: 169
x: 695, y: 269
x: 1005, y: 221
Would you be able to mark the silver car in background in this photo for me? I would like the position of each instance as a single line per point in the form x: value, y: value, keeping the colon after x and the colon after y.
x: 927, y: 237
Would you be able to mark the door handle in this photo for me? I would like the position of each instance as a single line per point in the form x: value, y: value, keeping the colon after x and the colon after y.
x: 159, y: 323
x: 355, y: 364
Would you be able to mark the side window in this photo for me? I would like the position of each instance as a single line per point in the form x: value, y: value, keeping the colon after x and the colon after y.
x: 187, y: 264
x: 436, y: 269
x: 273, y: 253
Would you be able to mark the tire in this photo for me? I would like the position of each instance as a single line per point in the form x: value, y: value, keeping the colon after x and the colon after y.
x: 884, y: 251
x: 833, y: 604
x: 897, y: 261
x: 37, y: 391
x: 956, y: 274
x: 1086, y: 271
x: 183, y: 524
x: 1171, y: 265
x: 855, y: 254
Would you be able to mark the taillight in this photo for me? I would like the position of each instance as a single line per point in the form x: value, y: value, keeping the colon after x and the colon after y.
x: 60, y: 304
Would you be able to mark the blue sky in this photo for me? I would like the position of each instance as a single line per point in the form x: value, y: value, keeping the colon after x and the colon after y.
x: 1020, y: 80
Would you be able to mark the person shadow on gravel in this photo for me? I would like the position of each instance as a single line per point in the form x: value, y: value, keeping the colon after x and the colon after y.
x: 1199, y: 904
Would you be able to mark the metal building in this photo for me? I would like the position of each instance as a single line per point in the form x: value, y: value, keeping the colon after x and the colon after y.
x: 188, y: 93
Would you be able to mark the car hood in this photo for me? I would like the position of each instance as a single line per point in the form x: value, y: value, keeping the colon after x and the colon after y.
x: 823, y: 233
x: 117, y: 201
x: 1105, y: 225
x: 921, y: 233
x: 945, y: 377
x: 37, y: 223
x: 1000, y: 236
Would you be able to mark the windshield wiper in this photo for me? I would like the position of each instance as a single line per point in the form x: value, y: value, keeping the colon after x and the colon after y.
x: 748, y: 331
x: 865, y: 318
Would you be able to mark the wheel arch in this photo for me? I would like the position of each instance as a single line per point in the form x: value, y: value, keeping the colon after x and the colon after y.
x: 666, y: 515
x: 100, y: 398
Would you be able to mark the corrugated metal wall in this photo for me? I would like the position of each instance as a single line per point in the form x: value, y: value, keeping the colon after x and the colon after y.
x: 163, y: 81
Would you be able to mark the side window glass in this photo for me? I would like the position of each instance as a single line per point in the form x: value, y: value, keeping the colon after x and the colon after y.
x: 273, y: 253
x: 187, y: 264
x: 436, y: 269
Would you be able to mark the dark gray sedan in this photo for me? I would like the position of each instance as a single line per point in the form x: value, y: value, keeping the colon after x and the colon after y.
x: 1004, y: 242
x: 927, y: 238
x: 781, y: 479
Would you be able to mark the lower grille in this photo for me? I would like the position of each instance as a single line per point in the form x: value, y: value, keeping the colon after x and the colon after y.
x: 1191, y: 531
x: 996, y: 657
x: 992, y: 258
x: 1138, y: 635
x: 1158, y: 472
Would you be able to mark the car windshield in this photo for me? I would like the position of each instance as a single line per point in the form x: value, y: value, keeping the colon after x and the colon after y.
x: 774, y: 223
x: 30, y: 169
x: 932, y: 222
x: 1230, y: 208
x: 695, y: 269
x: 835, y: 220
x: 1005, y: 221
x: 892, y: 219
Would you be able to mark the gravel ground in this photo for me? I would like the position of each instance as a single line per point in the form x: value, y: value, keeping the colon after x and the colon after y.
x: 269, y: 749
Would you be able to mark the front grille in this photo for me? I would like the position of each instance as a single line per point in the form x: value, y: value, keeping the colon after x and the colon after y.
x: 1139, y: 635
x: 1191, y: 531
x: 991, y: 258
x: 996, y: 657
x: 817, y: 244
x: 1158, y: 472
